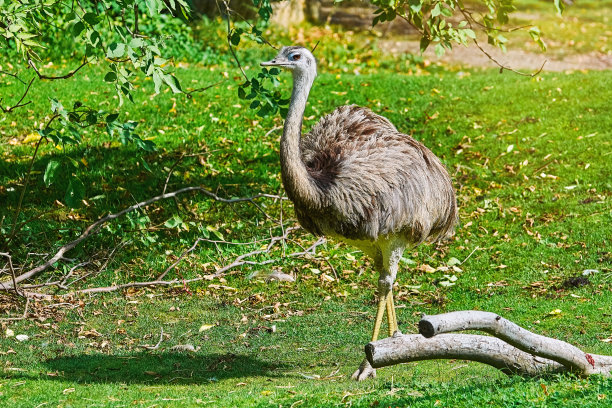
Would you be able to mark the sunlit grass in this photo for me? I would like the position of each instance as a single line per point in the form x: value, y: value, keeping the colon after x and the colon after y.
x: 531, y: 166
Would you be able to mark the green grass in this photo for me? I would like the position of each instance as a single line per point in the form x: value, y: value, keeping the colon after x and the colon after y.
x: 531, y: 163
x: 502, y: 137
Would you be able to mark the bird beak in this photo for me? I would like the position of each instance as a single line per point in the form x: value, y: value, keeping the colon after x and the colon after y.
x: 275, y: 62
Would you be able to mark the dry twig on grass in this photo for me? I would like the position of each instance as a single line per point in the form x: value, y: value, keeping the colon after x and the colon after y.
x: 96, y: 226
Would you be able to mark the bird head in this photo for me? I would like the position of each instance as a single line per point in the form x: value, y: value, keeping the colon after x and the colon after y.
x: 296, y: 59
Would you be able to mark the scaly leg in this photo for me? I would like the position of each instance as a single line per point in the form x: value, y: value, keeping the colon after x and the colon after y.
x: 382, y: 302
x: 365, y: 370
x: 386, y: 263
x: 393, y: 327
x: 391, y: 314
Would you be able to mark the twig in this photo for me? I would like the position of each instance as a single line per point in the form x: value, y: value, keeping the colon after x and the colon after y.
x: 229, y: 39
x: 188, y: 94
x: 470, y: 255
x: 470, y: 19
x: 171, y: 170
x: 238, y: 261
x: 95, y: 227
x: 18, y: 104
x: 180, y: 258
x: 66, y: 76
x: 25, y: 183
x: 155, y: 347
x: 503, y: 67
x: 272, y: 130
x: 14, y: 76
x: 62, y: 284
x: 10, y: 264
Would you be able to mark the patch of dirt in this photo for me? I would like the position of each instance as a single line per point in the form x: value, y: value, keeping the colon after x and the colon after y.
x: 514, y: 58
x: 358, y: 15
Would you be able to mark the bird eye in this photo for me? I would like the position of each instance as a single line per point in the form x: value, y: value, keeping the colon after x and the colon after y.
x: 295, y: 57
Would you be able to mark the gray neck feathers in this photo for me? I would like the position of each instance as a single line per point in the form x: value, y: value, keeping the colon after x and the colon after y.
x: 297, y: 181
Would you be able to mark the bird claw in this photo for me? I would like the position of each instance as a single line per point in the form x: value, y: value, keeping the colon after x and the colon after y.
x: 364, y: 371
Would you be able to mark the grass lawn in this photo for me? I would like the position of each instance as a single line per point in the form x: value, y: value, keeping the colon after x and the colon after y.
x: 531, y: 163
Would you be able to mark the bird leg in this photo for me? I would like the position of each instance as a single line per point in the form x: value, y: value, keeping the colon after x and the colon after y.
x: 365, y: 370
x: 380, y: 312
x: 391, y: 316
x: 386, y: 264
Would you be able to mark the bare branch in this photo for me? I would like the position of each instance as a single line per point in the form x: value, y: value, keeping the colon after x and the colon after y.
x: 66, y: 76
x: 18, y: 104
x: 95, y: 227
x: 406, y: 348
x: 11, y: 269
x: 470, y: 19
x: 188, y: 94
x: 503, y: 67
x: 513, y: 350
x: 571, y: 357
x: 14, y: 76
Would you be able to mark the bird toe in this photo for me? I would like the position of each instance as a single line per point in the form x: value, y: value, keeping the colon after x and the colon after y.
x: 364, y: 371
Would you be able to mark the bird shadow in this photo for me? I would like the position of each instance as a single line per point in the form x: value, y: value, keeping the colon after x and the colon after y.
x: 160, y: 368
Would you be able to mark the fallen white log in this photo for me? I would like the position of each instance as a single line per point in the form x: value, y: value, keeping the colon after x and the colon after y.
x: 514, y: 350
x: 483, y: 349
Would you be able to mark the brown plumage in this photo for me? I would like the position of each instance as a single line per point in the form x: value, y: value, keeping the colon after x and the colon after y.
x: 355, y: 177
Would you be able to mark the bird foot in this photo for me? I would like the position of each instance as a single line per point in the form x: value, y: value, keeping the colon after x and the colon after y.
x: 364, y: 371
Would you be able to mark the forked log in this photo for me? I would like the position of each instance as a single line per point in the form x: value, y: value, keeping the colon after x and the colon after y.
x: 483, y: 349
x: 513, y: 350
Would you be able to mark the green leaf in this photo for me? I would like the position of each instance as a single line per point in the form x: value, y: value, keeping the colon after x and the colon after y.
x: 94, y: 38
x: 157, y: 80
x: 173, y: 83
x: 75, y: 193
x: 436, y: 10
x: 235, y: 39
x: 424, y: 43
x: 241, y: 93
x: 154, y: 6
x: 51, y: 172
x: 112, y: 117
x: 115, y: 50
x: 145, y: 165
x: 91, y: 18
x: 174, y: 222
x: 78, y: 28
x: 110, y: 76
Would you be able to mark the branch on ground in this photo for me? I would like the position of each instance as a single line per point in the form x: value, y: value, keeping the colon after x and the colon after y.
x: 513, y: 350
x: 244, y: 259
x: 96, y: 226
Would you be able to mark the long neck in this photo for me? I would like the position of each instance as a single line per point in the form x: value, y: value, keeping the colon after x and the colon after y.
x: 298, y: 183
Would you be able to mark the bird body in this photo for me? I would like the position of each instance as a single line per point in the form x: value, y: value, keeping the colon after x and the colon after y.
x: 356, y: 178
x: 374, y: 181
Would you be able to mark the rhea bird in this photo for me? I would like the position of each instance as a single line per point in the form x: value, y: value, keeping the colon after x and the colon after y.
x: 356, y: 178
